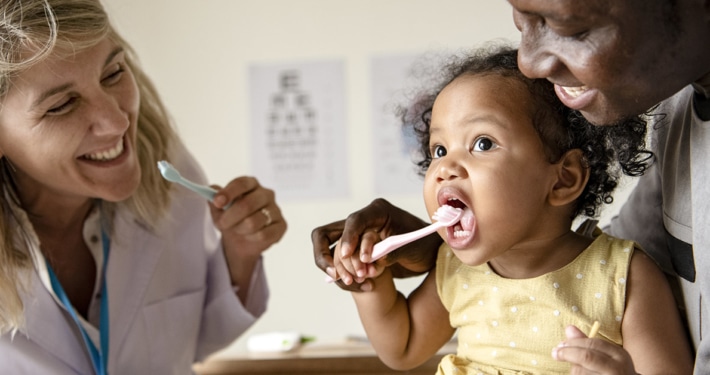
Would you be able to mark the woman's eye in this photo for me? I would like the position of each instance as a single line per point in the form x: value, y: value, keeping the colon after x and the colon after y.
x: 114, y: 76
x: 483, y: 144
x: 62, y: 107
x: 438, y: 151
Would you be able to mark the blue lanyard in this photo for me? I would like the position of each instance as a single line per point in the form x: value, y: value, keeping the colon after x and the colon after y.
x: 98, y: 358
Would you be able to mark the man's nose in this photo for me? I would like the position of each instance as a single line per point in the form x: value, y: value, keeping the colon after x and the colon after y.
x: 535, y: 56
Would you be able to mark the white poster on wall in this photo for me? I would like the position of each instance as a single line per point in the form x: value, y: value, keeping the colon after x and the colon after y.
x: 298, y: 123
x: 395, y: 144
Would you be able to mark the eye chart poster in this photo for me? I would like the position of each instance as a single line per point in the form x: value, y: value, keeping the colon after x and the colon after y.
x: 395, y: 144
x: 299, y: 143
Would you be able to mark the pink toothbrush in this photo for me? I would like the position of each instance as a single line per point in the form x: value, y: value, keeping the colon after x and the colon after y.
x: 445, y: 216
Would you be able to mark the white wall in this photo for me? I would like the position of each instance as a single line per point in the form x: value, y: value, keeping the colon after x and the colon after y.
x: 197, y: 53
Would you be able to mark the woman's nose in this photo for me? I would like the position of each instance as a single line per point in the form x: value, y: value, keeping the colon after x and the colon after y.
x: 107, y: 116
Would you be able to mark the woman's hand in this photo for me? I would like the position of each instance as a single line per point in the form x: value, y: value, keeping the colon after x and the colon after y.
x: 593, y: 356
x: 361, y: 230
x: 250, y: 221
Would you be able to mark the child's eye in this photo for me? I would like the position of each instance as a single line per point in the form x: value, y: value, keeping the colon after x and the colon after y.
x: 483, y: 144
x: 438, y: 151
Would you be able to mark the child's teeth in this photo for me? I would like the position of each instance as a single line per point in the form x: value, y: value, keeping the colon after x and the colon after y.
x: 462, y: 233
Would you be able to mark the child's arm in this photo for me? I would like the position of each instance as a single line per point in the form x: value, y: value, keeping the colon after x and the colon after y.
x: 652, y: 331
x: 652, y: 328
x: 405, y: 332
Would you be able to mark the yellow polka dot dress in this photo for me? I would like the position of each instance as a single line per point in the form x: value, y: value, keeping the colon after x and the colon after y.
x: 509, y: 326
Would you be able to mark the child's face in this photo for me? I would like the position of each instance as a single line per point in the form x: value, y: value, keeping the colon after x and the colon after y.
x: 487, y: 156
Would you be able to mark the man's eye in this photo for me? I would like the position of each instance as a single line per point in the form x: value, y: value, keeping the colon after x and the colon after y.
x: 483, y: 144
x: 438, y: 151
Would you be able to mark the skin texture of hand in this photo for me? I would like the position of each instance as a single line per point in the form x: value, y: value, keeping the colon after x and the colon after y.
x: 592, y: 356
x: 246, y: 230
x: 361, y: 230
x: 351, y: 270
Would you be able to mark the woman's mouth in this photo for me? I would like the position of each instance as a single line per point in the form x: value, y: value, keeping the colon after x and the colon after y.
x: 106, y: 155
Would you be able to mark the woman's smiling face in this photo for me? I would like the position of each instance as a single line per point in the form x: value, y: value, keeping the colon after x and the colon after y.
x: 487, y: 155
x: 68, y: 126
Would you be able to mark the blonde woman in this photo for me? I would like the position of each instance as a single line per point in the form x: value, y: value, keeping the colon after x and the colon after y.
x: 105, y: 267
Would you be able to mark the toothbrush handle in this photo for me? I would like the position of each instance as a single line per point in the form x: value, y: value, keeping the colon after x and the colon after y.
x: 203, y: 190
x: 391, y: 243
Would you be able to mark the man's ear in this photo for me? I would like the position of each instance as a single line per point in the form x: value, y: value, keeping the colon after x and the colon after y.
x: 572, y: 177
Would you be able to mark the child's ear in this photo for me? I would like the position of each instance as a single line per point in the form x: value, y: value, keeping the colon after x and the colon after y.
x: 572, y: 177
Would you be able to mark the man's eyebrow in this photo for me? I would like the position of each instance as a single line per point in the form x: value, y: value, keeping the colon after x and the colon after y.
x: 66, y: 86
x: 559, y: 16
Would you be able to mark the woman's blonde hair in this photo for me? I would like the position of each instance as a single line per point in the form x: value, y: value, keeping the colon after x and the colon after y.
x: 31, y: 31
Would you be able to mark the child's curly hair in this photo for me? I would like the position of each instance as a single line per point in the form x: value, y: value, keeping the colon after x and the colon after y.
x: 560, y: 128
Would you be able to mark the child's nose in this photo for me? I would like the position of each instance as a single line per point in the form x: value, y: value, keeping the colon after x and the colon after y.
x: 449, y: 168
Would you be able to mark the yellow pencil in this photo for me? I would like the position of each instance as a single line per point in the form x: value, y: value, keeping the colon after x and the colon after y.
x: 594, y: 330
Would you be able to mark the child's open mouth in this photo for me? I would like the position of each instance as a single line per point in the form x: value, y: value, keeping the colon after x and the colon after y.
x: 465, y: 229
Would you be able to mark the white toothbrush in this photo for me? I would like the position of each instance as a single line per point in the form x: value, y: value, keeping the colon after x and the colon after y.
x: 445, y: 216
x: 171, y: 174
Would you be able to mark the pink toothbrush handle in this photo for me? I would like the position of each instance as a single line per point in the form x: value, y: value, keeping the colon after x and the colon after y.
x: 391, y: 243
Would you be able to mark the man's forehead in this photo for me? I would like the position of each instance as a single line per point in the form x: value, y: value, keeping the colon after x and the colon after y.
x: 562, y: 8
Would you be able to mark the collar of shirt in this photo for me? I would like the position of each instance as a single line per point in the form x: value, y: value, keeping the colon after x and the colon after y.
x: 701, y: 99
x: 92, y: 237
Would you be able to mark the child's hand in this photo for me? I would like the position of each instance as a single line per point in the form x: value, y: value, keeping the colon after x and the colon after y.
x: 592, y: 356
x: 350, y: 268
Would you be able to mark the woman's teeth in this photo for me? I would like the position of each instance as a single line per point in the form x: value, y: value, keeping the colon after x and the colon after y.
x: 108, y: 154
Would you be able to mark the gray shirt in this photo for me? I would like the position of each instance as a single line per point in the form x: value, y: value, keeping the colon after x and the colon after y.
x: 672, y: 198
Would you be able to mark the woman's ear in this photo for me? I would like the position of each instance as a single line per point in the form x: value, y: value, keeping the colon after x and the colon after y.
x: 572, y: 177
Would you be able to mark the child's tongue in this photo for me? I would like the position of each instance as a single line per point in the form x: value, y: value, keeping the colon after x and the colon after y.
x: 466, y: 226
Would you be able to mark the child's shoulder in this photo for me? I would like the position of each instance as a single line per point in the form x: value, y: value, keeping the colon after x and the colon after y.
x: 602, y: 239
x: 608, y: 248
x: 625, y: 255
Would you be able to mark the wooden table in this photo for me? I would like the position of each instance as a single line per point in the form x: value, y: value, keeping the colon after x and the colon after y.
x: 349, y: 357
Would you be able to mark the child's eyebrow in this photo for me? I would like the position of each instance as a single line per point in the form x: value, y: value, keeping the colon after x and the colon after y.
x: 486, y: 119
